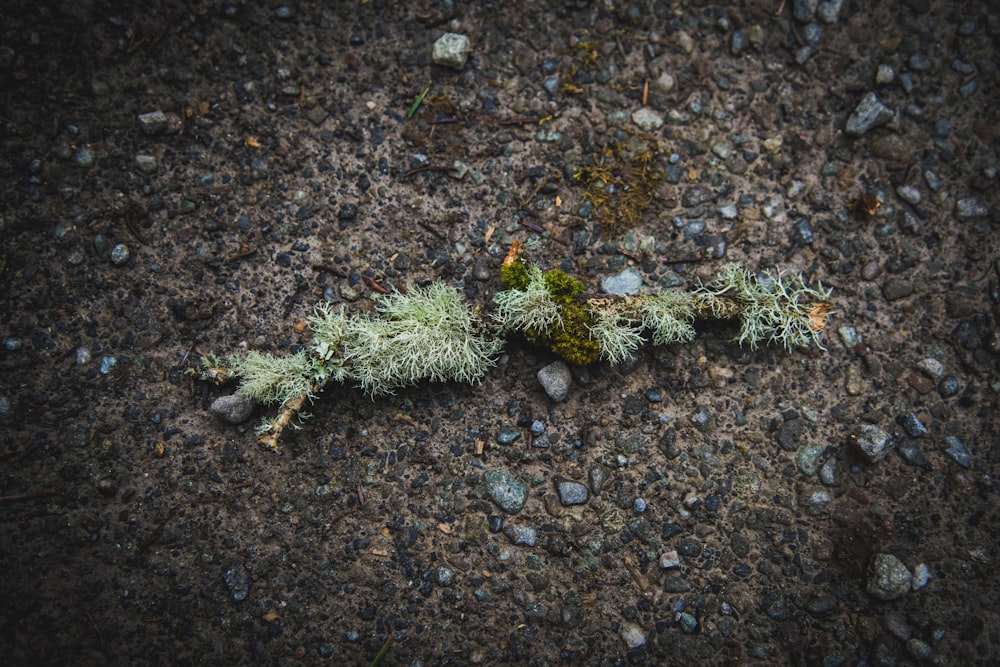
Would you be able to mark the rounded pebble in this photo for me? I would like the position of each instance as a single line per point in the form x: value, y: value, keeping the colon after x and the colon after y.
x: 119, y: 254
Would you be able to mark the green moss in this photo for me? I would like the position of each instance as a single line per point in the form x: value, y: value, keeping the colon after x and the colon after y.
x: 515, y: 275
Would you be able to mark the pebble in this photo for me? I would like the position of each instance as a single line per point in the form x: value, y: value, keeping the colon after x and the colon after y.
x: 506, y: 491
x: 145, y: 163
x: 4, y: 405
x: 444, y: 575
x: 912, y: 425
x: 628, y: 281
x: 647, y: 120
x: 524, y: 535
x: 971, y: 207
x: 808, y: 458
x: 948, y: 387
x: 896, y: 288
x: 696, y: 196
x: 909, y: 194
x: 83, y: 356
x: 687, y: 622
x: 633, y: 635
x: 108, y: 365
x: 84, y: 156
x: 872, y: 442
x: 237, y: 581
x: 912, y: 453
x: 507, y: 436
x: 869, y: 114
x: 828, y: 472
x: 153, y: 122
x: 885, y: 75
x: 849, y: 336
x: 598, y: 476
x: 665, y: 82
x: 556, y: 380
x: 921, y: 575
x: 723, y: 149
x: 570, y: 492
x: 955, y: 448
x: 451, y: 50
x: 931, y: 367
x: 889, y: 578
x: 235, y: 408
x: 669, y: 560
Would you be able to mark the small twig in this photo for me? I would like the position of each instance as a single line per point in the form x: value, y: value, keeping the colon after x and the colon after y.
x: 428, y: 167
x: 155, y: 535
x: 374, y: 285
x: 432, y: 230
x: 29, y: 495
x: 284, y: 418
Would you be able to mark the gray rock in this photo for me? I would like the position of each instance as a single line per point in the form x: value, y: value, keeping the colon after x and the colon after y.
x: 931, y: 367
x: 829, y: 10
x: 506, y: 491
x: 909, y: 194
x: 507, y: 436
x: 885, y: 75
x: 570, y: 492
x: 119, y: 254
x: 889, y: 578
x: 154, y: 122
x: 145, y: 163
x: 526, y: 535
x: 598, y: 477
x: 451, y: 50
x: 556, y: 379
x: 234, y: 409
x: 444, y: 575
x: 971, y: 207
x: 633, y: 635
x: 647, y: 120
x: 804, y: 10
x: 628, y: 281
x: 873, y: 443
x: 912, y: 425
x: 828, y: 472
x: 237, y: 580
x: 896, y: 288
x: 955, y: 448
x: 869, y: 114
x: 807, y: 458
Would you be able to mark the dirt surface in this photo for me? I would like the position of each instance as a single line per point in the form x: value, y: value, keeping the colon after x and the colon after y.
x: 291, y: 165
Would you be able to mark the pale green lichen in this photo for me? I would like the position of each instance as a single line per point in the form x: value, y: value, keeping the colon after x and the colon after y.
x: 430, y: 333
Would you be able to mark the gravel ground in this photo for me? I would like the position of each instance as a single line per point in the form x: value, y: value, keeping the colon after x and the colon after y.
x: 181, y: 178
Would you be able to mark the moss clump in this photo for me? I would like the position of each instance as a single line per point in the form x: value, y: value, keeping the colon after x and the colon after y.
x: 620, y: 185
x: 545, y: 307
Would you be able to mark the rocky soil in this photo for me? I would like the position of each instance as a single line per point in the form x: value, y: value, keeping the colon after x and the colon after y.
x: 191, y: 177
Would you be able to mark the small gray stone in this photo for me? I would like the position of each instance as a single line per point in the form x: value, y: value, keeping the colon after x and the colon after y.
x: 451, y: 50
x: 828, y: 472
x: 896, y: 288
x: 885, y: 75
x: 444, y: 575
x: 804, y: 10
x: 931, y: 367
x: 119, y: 254
x: 556, y: 379
x: 971, y: 207
x: 145, y: 163
x: 628, y: 281
x: 507, y: 436
x: 687, y: 622
x: 955, y: 448
x: 873, y: 443
x: 633, y: 635
x: 234, y: 409
x: 506, y: 491
x: 598, y: 476
x: 912, y: 425
x: 807, y: 458
x: 153, y: 122
x: 237, y: 581
x: 869, y: 114
x: 665, y: 82
x: 670, y: 560
x: 526, y: 535
x: 829, y: 10
x: 889, y: 578
x: 909, y: 194
x: 570, y: 492
x: 647, y: 120
x: 722, y: 149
